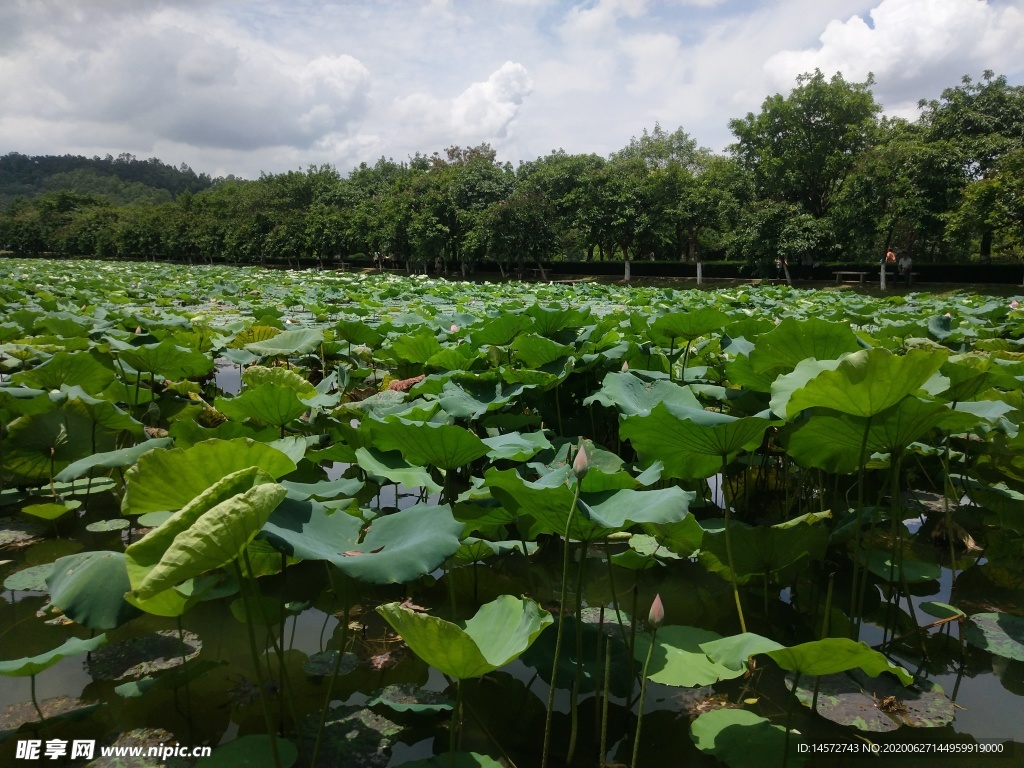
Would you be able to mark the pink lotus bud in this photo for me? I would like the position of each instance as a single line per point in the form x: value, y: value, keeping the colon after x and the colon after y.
x: 948, y: 315
x: 138, y: 329
x: 581, y: 463
x: 1014, y: 304
x: 625, y: 366
x: 455, y: 328
x: 657, y: 614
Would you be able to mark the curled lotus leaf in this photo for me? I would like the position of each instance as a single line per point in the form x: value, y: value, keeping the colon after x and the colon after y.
x: 89, y: 588
x: 33, y: 665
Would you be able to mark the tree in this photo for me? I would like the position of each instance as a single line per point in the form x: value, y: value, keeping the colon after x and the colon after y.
x: 801, y: 148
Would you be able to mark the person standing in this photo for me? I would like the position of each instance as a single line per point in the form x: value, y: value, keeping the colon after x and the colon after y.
x: 905, y: 266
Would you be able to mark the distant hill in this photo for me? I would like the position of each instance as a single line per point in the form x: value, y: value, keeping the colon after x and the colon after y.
x: 122, y: 179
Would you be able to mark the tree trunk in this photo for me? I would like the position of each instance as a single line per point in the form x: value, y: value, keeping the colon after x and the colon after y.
x: 543, y: 273
x: 985, y: 251
x: 700, y: 272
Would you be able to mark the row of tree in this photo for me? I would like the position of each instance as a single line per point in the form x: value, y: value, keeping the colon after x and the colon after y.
x: 816, y: 175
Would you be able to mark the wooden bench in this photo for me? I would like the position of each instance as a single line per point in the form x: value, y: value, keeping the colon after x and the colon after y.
x: 846, y: 276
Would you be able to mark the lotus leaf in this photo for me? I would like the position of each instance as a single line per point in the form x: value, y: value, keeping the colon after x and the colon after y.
x: 208, y: 532
x: 266, y: 403
x: 297, y: 342
x: 686, y: 325
x: 165, y: 358
x: 775, y: 553
x: 998, y: 633
x: 256, y: 375
x: 499, y: 632
x: 124, y: 457
x: 144, y: 655
x: 632, y: 396
x: 168, y: 480
x: 471, y: 400
x: 444, y: 446
x: 501, y: 330
x: 33, y: 665
x: 89, y: 588
x: 391, y: 466
x: 31, y: 579
x: 68, y: 368
x: 742, y: 739
x: 411, y: 698
x: 735, y: 651
x: 836, y: 654
x: 678, y: 660
x: 878, y: 705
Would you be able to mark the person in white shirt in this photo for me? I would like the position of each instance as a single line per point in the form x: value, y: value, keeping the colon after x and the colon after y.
x: 905, y: 265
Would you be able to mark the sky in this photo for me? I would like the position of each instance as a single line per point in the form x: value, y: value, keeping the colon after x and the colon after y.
x: 246, y: 87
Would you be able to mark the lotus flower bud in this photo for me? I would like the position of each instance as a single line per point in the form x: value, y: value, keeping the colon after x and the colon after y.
x: 455, y: 328
x: 1014, y: 304
x: 657, y: 614
x: 625, y: 366
x: 138, y: 329
x: 581, y: 463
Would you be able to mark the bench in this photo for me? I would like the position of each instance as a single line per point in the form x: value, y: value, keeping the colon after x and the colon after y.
x: 845, y: 276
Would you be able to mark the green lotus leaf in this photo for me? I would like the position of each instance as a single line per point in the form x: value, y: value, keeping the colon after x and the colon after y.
x: 548, y: 321
x: 21, y: 401
x: 867, y: 382
x: 415, y: 348
x: 776, y: 553
x: 795, y: 339
x: 253, y: 751
x: 741, y: 739
x: 89, y: 587
x: 735, y: 651
x: 535, y: 351
x: 68, y: 368
x: 633, y: 396
x: 998, y: 633
x: 254, y: 334
x: 39, y: 443
x: 411, y: 698
x: 391, y: 466
x: 108, y: 526
x: 691, y: 443
x: 31, y: 579
x: 547, y: 506
x: 267, y: 403
x: 688, y: 326
x: 357, y: 332
x: 324, y: 490
x: 207, y: 533
x: 941, y: 610
x: 854, y: 700
x: 33, y: 665
x: 471, y: 400
x: 515, y: 446
x: 886, y: 567
x: 297, y: 342
x: 124, y: 457
x: 501, y: 330
x: 165, y: 358
x: 836, y: 654
x: 445, y: 446
x: 256, y: 375
x: 677, y: 658
x: 170, y: 479
x: 239, y: 357
x: 396, y: 548
x: 497, y: 635
x: 50, y: 510
x: 783, y: 386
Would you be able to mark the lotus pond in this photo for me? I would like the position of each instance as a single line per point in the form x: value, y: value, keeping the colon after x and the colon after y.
x: 313, y: 518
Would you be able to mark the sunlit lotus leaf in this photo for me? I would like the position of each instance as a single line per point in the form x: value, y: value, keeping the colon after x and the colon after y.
x: 836, y: 654
x: 390, y: 465
x: 678, y: 660
x: 254, y: 334
x: 33, y: 665
x: 741, y: 739
x: 41, y: 442
x: 735, y: 651
x: 501, y: 330
x: 998, y: 633
x: 50, y: 510
x: 867, y: 382
x: 170, y: 479
x: 124, y: 457
x: 166, y: 359
x: 352, y: 736
x: 633, y: 396
x: 832, y: 441
x: 546, y: 506
x: 108, y: 526
x: 411, y: 698
x: 941, y: 610
x: 795, y: 339
x: 297, y: 342
x: 683, y: 537
x: 783, y: 386
x: 740, y: 373
x: 187, y: 433
x: 415, y: 347
x: 89, y: 588
x: 358, y: 332
x: 56, y: 709
x: 103, y: 412
x: 545, y: 377
x: 691, y: 443
x: 323, y: 490
x: 271, y: 404
x: 444, y: 446
x: 497, y: 635
x: 535, y: 351
x: 208, y: 532
x: 548, y: 321
x: 876, y: 705
x: 68, y: 368
x: 668, y: 330
x: 886, y: 566
x: 396, y: 548
x: 515, y: 446
x: 471, y: 400
x: 256, y: 375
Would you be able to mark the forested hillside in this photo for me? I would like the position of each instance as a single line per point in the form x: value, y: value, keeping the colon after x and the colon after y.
x: 816, y: 175
x: 122, y: 179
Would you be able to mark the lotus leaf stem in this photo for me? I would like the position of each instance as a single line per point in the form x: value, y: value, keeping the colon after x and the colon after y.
x: 604, y: 700
x: 640, y: 704
x: 330, y: 685
x: 728, y: 552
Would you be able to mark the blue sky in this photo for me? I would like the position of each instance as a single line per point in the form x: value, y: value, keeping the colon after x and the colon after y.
x: 255, y: 86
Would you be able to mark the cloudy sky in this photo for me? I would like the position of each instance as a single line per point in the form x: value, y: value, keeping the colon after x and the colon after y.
x: 250, y: 86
